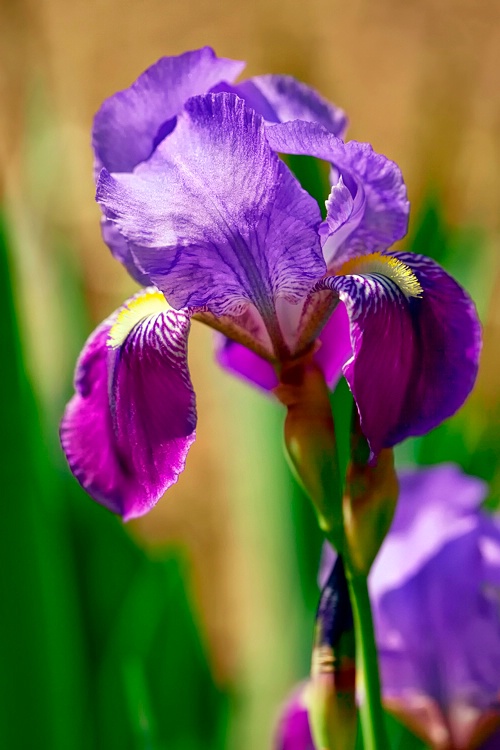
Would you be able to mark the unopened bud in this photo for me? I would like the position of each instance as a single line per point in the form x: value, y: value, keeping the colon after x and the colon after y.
x: 331, y: 694
x: 370, y: 497
x: 310, y: 442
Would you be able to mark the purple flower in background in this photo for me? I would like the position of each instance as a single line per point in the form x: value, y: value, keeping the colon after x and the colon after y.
x: 200, y: 209
x: 435, y: 590
x: 293, y: 732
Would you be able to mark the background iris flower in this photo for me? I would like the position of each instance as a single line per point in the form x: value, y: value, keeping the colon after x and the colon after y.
x: 198, y: 206
x: 435, y: 593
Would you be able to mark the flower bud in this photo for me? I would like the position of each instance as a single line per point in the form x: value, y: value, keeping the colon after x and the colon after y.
x: 369, y: 502
x: 331, y: 694
x: 310, y: 442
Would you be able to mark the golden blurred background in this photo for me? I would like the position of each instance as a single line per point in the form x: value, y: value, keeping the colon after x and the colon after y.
x: 419, y: 80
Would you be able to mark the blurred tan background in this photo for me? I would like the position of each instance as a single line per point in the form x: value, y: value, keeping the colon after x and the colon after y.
x: 418, y: 79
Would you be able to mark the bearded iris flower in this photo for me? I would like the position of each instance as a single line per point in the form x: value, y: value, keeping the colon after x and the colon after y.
x: 201, y: 210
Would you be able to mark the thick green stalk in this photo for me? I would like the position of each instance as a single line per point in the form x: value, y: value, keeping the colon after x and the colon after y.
x: 354, y: 524
x: 367, y: 672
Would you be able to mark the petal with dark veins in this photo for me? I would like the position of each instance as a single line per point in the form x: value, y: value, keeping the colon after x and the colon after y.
x: 416, y: 341
x: 127, y: 430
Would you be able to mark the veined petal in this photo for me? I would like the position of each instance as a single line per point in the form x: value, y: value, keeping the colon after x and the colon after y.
x: 281, y: 98
x: 379, y: 209
x: 131, y: 123
x: 127, y: 430
x: 214, y: 218
x: 416, y: 340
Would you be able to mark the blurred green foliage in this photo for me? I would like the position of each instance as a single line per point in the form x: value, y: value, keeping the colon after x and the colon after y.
x: 98, y: 643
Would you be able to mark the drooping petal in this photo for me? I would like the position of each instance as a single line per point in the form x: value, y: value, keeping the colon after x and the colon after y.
x: 131, y: 123
x: 214, y: 218
x: 127, y: 430
x: 281, y: 98
x: 377, y: 214
x: 416, y: 340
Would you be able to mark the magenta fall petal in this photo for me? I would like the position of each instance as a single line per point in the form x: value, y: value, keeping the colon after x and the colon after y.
x: 127, y: 431
x: 293, y: 731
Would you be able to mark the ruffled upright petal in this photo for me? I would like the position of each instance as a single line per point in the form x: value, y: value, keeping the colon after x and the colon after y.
x: 281, y: 98
x: 375, y: 214
x: 214, y: 218
x: 127, y: 430
x: 416, y: 340
x: 130, y: 124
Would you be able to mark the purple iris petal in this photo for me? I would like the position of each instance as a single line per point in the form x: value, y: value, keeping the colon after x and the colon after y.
x: 435, y: 590
x: 131, y: 123
x: 214, y: 218
x: 492, y: 743
x: 414, y: 359
x: 239, y: 360
x: 281, y: 98
x: 436, y: 611
x: 127, y: 431
x: 378, y: 214
x: 121, y: 251
x: 437, y: 506
x: 293, y: 731
x: 128, y: 124
x: 336, y: 348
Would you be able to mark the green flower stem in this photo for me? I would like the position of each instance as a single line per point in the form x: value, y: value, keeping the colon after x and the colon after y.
x: 367, y: 672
